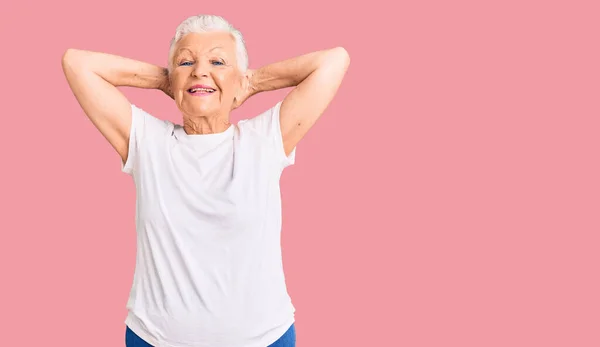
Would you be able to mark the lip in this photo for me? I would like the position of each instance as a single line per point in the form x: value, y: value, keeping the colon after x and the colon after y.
x: 201, y: 93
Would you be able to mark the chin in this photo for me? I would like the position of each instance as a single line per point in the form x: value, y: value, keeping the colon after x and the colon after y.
x: 204, y: 109
x: 192, y: 104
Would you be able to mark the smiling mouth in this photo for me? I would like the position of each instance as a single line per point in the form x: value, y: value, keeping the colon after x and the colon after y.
x: 201, y: 90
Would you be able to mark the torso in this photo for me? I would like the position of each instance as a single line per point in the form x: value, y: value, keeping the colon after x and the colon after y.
x: 209, y: 269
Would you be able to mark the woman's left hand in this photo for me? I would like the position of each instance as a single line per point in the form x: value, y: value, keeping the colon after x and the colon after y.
x: 247, y: 91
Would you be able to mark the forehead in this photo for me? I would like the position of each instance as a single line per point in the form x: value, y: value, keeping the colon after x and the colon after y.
x: 201, y: 43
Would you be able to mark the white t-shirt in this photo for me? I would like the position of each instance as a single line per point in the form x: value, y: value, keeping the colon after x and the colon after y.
x: 208, y: 217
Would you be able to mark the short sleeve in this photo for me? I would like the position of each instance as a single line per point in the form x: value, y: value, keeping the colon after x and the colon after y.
x: 142, y: 124
x: 136, y: 132
x: 268, y: 125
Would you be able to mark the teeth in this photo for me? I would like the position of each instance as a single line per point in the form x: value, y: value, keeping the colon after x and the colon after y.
x: 202, y: 90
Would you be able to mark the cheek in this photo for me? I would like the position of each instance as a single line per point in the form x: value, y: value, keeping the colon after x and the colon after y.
x: 177, y: 88
x: 177, y: 82
x: 227, y: 84
x: 178, y: 85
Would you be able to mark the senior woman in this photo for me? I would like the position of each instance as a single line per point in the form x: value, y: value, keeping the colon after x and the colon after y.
x: 208, y: 208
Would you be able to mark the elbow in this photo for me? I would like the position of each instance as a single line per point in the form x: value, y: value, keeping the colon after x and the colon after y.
x: 342, y: 52
x: 340, y: 56
x: 68, y: 55
x: 67, y: 58
x: 71, y: 58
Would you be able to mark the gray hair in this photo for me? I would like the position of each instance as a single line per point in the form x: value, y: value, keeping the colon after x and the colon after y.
x: 210, y: 23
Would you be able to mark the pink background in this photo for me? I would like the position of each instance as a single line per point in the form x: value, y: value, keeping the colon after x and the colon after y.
x: 449, y: 196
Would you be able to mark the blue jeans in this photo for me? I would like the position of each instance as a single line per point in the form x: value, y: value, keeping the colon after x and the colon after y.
x: 287, y: 340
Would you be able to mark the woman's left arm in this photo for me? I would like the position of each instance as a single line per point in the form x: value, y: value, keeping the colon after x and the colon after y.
x: 316, y: 77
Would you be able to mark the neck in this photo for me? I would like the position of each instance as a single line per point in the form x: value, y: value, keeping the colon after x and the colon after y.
x: 205, y: 125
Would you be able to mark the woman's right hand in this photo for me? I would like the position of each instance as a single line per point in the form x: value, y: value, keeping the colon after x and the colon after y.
x: 165, y: 86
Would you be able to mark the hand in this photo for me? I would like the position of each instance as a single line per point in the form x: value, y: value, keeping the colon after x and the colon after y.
x: 165, y: 86
x: 247, y: 91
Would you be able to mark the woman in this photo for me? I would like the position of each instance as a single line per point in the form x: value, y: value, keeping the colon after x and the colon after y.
x: 208, y: 215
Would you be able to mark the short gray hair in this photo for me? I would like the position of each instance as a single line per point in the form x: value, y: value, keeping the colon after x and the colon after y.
x: 210, y: 23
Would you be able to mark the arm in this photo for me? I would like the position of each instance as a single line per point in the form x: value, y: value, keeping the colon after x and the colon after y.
x: 316, y: 76
x: 94, y: 77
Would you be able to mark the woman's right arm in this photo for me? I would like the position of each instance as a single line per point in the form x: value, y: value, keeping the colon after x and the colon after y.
x: 94, y: 77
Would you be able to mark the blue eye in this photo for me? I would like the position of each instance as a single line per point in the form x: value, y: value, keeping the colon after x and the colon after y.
x: 185, y: 62
x: 217, y: 62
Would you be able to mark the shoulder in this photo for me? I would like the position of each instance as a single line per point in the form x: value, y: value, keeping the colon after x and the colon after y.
x: 144, y: 119
x: 266, y: 128
x: 145, y: 129
x: 264, y: 124
x: 145, y: 126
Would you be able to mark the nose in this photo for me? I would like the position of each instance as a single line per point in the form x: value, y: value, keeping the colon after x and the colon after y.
x: 200, y: 69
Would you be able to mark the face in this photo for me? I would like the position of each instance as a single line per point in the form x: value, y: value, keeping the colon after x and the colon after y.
x: 204, y: 74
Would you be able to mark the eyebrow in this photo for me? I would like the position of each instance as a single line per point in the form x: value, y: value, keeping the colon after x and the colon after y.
x: 180, y: 50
